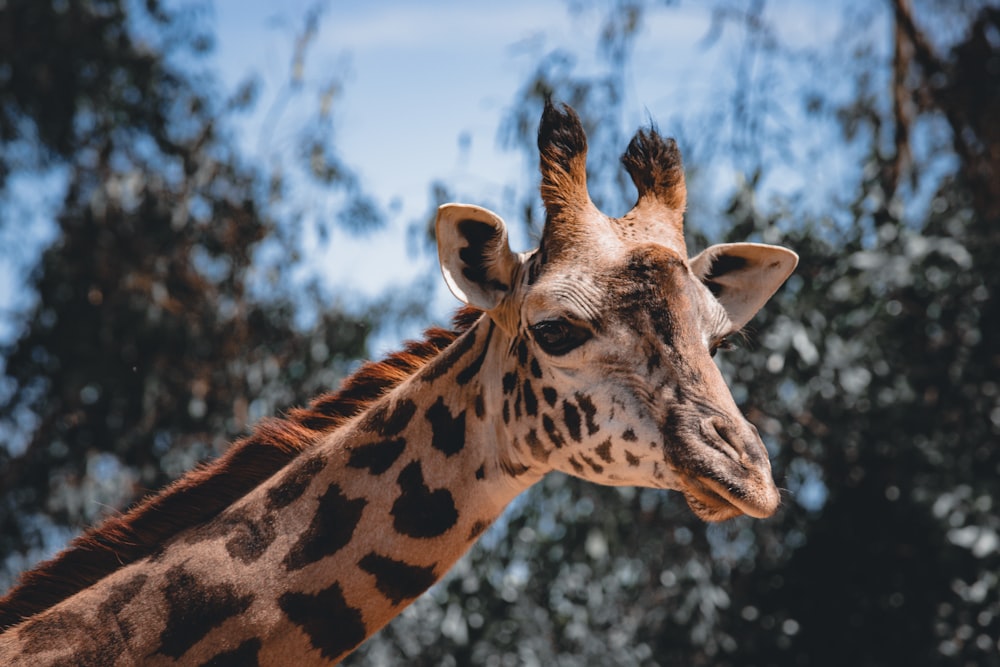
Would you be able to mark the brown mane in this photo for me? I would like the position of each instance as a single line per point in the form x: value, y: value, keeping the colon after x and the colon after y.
x: 205, y: 491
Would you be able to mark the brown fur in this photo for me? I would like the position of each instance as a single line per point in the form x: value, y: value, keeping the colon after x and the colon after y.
x: 205, y: 491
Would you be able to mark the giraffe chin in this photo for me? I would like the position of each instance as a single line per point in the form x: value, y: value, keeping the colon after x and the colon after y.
x: 710, y: 506
x: 710, y: 501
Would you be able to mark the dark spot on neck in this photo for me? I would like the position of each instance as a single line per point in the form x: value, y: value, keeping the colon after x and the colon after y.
x: 246, y: 537
x: 418, y: 511
x: 244, y: 655
x: 451, y: 355
x: 376, y: 457
x: 40, y: 633
x: 477, y: 529
x: 397, y: 580
x: 331, y: 528
x: 333, y: 626
x: 447, y: 431
x: 250, y: 539
x: 111, y: 646
x: 294, y: 481
x: 195, y: 608
x: 470, y: 371
x: 388, y: 424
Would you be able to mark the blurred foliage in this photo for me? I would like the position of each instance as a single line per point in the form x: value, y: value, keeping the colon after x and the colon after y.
x: 872, y: 375
x: 165, y: 308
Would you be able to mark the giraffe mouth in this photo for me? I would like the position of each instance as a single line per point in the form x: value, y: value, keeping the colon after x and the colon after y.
x: 713, y: 501
x: 707, y: 504
x: 725, y: 471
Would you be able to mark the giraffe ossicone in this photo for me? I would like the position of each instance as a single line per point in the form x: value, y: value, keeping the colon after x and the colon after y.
x: 591, y: 355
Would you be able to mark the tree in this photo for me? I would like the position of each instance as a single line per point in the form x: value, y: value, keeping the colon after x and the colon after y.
x: 160, y: 329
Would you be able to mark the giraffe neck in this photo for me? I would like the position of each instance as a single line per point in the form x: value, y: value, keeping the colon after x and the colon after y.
x: 325, y: 552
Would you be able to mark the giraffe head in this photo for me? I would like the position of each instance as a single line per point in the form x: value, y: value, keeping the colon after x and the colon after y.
x: 609, y: 328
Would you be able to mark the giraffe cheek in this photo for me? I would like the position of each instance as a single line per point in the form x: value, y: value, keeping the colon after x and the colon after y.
x: 539, y: 451
x: 553, y: 432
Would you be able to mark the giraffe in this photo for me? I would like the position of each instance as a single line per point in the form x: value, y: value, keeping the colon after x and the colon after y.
x: 590, y: 355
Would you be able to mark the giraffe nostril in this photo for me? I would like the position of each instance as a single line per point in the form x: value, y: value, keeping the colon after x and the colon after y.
x: 721, y: 435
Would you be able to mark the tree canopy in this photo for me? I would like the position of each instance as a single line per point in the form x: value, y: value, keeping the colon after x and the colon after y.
x: 159, y: 329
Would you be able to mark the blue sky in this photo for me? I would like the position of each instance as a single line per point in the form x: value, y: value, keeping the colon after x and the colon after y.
x: 418, y: 76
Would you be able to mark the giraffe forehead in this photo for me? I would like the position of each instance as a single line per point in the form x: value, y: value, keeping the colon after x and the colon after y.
x: 574, y: 292
x: 592, y: 287
x: 651, y: 274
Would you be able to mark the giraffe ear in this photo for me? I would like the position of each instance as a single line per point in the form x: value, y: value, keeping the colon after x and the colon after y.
x: 743, y: 276
x: 475, y: 256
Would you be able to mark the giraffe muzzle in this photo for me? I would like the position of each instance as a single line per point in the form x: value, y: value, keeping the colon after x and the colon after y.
x: 725, y: 470
x: 742, y: 475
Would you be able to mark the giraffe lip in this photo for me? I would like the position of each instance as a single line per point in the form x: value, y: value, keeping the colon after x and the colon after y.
x: 707, y: 504
x: 723, y: 467
x: 713, y: 501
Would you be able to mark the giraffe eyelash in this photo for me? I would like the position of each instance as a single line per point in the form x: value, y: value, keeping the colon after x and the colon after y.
x: 721, y: 344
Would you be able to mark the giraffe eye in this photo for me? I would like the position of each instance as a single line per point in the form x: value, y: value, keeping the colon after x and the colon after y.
x: 557, y: 337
